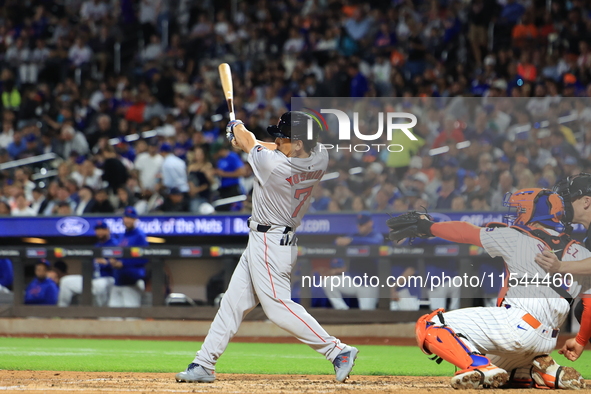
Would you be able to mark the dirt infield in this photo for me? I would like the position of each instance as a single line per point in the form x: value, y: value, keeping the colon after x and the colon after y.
x: 103, y: 382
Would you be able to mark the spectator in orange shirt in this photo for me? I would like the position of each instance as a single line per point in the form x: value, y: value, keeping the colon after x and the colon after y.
x: 525, y: 31
x: 525, y: 67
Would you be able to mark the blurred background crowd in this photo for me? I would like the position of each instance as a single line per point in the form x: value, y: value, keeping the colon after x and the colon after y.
x: 113, y: 103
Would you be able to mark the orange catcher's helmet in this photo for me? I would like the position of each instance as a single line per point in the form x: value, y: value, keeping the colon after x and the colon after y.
x: 536, y: 206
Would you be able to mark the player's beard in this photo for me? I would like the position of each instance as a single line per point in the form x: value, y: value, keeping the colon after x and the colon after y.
x: 103, y: 238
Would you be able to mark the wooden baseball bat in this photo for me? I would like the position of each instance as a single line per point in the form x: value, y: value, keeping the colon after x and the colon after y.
x: 226, y: 78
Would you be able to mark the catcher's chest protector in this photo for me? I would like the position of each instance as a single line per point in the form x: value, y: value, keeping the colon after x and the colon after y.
x: 558, y: 243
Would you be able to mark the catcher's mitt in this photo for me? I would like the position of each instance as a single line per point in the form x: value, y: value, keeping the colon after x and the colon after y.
x: 410, y: 225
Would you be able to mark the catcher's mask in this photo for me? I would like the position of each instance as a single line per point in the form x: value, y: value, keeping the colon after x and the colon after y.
x: 535, y: 206
x: 570, y: 189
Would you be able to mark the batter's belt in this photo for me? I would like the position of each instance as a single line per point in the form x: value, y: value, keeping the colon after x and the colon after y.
x: 261, y: 228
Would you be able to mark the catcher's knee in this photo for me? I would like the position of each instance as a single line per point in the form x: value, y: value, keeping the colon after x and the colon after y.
x: 422, y: 324
x: 442, y: 341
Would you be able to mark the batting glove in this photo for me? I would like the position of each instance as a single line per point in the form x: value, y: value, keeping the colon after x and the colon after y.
x: 231, y: 124
x: 230, y: 128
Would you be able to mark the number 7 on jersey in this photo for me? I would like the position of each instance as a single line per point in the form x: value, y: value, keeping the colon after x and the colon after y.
x: 304, y: 194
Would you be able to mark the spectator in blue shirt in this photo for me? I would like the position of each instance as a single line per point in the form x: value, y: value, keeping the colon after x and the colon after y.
x: 230, y: 169
x: 17, y: 146
x: 129, y: 273
x: 512, y: 12
x: 42, y: 290
x: 447, y: 192
x: 6, y: 274
x: 367, y: 296
x: 102, y: 280
x: 359, y: 84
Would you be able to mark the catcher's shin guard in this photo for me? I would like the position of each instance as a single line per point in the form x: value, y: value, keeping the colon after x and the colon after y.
x: 446, y: 344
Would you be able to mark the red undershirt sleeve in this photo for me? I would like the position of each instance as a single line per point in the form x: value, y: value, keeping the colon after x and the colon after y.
x: 585, y: 329
x: 460, y: 232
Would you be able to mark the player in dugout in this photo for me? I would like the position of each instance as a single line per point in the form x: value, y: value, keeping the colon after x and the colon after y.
x: 508, y: 345
x: 367, y: 295
x: 102, y: 280
x: 6, y: 275
x: 42, y: 290
x: 129, y: 273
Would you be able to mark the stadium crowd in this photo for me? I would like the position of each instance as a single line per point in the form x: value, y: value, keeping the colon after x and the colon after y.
x: 82, y: 78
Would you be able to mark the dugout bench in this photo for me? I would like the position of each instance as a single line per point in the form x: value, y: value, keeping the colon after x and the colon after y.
x: 228, y: 255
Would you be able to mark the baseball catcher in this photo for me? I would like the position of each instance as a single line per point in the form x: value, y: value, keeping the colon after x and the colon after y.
x: 506, y: 345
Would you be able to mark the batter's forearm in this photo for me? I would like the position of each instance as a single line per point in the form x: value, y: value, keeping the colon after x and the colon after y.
x: 244, y: 138
x: 460, y: 232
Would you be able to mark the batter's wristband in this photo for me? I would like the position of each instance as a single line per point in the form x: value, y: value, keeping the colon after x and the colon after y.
x: 424, y: 227
x: 235, y: 123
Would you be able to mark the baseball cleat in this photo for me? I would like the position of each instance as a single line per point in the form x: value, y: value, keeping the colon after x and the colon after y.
x: 344, y: 363
x: 548, y: 373
x: 489, y: 377
x: 520, y: 378
x: 195, y: 373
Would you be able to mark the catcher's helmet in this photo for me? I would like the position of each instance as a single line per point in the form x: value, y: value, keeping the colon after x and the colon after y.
x: 572, y: 188
x: 294, y: 125
x: 536, y: 206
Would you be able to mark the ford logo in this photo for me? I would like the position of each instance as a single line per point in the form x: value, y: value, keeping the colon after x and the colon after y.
x: 72, y: 226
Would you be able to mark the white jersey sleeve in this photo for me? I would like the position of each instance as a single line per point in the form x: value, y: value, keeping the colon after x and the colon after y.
x: 499, y: 241
x: 262, y: 161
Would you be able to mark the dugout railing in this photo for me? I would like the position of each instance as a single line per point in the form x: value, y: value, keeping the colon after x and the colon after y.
x: 463, y: 256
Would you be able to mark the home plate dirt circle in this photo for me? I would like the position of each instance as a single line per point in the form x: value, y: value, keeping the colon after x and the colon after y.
x: 125, y: 382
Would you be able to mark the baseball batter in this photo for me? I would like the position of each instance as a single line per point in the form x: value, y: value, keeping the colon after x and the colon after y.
x: 493, y: 345
x: 285, y: 172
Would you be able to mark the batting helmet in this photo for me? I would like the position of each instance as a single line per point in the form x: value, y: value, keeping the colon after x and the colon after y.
x: 536, y: 206
x: 295, y: 126
x: 572, y: 188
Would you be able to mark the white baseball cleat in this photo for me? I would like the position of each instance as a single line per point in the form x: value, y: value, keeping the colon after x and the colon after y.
x: 344, y: 363
x: 548, y: 373
x: 490, y: 377
x: 195, y: 373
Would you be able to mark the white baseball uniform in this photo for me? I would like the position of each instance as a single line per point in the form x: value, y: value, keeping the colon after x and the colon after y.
x: 501, y: 333
x: 71, y: 285
x: 280, y: 199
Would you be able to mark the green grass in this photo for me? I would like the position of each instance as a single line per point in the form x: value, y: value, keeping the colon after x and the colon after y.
x: 173, y: 356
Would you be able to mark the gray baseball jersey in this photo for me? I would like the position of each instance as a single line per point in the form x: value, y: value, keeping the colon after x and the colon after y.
x: 283, y: 186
